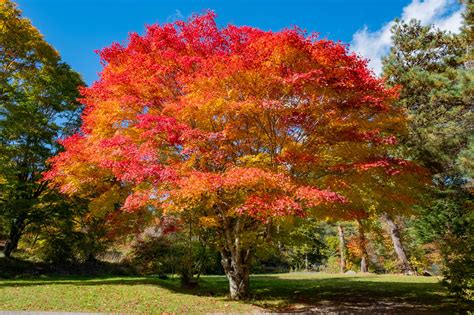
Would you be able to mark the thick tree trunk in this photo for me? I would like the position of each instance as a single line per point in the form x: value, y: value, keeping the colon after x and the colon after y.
x: 342, y: 246
x: 397, y: 243
x: 364, y: 266
x: 16, y: 230
x: 235, y: 258
x: 237, y: 269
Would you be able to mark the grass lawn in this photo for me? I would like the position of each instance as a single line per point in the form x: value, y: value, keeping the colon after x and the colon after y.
x: 277, y: 292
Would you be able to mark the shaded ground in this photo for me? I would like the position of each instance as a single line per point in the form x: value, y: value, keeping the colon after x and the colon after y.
x: 14, y: 268
x: 354, y: 294
x: 295, y: 292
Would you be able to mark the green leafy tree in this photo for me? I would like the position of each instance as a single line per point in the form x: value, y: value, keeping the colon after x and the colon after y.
x: 37, y: 105
x: 306, y: 246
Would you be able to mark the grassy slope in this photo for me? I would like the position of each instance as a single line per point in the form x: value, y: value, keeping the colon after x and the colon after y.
x: 284, y: 292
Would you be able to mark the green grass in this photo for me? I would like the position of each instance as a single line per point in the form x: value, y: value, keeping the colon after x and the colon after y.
x: 281, y: 292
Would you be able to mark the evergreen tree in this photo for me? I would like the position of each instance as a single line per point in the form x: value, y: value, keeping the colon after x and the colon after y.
x: 434, y: 71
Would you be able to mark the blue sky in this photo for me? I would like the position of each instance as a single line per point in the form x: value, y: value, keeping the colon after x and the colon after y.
x: 78, y: 27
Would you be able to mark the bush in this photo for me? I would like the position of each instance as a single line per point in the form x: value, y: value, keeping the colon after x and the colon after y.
x: 269, y: 259
x: 170, y: 254
x: 155, y: 255
x: 449, y: 221
x: 59, y: 246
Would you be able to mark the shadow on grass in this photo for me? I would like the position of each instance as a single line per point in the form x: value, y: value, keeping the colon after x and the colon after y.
x: 351, y: 294
x: 271, y: 292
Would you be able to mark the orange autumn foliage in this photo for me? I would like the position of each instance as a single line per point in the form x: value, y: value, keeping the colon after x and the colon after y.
x: 232, y: 122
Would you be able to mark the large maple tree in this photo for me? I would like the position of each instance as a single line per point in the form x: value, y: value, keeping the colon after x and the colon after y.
x: 233, y: 127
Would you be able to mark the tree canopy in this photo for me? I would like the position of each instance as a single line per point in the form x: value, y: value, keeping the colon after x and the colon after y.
x: 37, y: 105
x: 231, y: 129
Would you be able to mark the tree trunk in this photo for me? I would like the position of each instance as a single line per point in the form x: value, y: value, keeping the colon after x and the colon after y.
x: 364, y: 267
x: 16, y: 230
x: 235, y: 258
x: 397, y: 243
x: 342, y: 246
x: 237, y: 269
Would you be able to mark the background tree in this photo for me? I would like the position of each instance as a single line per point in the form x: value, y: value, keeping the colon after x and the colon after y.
x: 304, y: 243
x: 373, y: 195
x: 433, y: 69
x: 436, y: 90
x: 37, y: 105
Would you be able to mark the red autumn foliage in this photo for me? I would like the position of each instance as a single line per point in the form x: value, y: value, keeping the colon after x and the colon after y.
x: 234, y: 120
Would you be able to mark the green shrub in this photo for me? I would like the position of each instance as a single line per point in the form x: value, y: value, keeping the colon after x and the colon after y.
x: 449, y: 221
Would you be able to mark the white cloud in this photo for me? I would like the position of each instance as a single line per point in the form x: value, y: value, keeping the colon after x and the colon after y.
x: 444, y: 14
x: 452, y: 23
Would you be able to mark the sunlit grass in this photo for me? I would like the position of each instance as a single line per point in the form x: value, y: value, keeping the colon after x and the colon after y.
x: 271, y: 292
